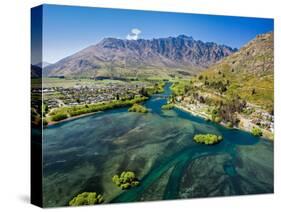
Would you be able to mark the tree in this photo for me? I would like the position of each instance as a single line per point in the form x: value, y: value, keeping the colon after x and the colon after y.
x: 117, y: 96
x: 126, y: 180
x: 229, y: 124
x: 253, y: 91
x: 201, y: 99
x: 87, y: 198
x: 227, y: 82
x: 143, y: 92
x: 186, y: 88
x: 223, y: 88
x: 167, y: 106
x: 218, y: 119
x: 208, y: 139
x: 46, y: 108
x: 256, y: 131
x: 227, y: 110
x: 138, y: 108
x: 59, y: 117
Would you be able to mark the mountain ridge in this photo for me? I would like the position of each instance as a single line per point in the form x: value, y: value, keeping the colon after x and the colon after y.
x: 117, y: 57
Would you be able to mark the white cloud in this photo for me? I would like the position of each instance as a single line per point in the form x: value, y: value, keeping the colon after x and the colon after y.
x: 134, y: 34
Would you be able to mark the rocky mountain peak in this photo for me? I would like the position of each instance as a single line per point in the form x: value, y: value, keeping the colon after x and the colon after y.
x: 181, y: 52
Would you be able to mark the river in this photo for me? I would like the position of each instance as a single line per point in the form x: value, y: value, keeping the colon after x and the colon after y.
x: 83, y: 154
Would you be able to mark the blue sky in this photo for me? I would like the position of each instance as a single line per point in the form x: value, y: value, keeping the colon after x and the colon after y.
x: 68, y: 29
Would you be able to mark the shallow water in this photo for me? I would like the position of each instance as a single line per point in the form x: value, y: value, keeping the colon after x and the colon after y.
x: 83, y: 154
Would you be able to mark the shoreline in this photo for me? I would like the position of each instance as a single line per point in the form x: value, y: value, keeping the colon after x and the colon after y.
x: 191, y: 112
x: 205, y: 117
x: 266, y: 134
x: 52, y: 123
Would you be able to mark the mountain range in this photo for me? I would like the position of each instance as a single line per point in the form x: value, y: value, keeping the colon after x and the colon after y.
x: 43, y: 64
x: 112, y: 57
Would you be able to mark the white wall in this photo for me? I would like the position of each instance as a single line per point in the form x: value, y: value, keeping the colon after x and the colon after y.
x: 14, y: 102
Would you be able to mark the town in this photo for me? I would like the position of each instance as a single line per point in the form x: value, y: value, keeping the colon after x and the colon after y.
x: 55, y: 97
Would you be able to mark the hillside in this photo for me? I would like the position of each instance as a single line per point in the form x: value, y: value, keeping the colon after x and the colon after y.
x: 181, y: 55
x: 236, y: 91
x: 247, y: 73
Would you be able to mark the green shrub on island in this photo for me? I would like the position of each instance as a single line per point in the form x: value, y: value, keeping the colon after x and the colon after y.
x: 87, y: 198
x: 138, y: 108
x: 256, y: 131
x: 59, y: 117
x: 126, y: 180
x: 167, y: 106
x: 208, y: 139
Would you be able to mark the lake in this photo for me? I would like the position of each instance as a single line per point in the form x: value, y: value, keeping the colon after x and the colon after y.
x: 83, y: 154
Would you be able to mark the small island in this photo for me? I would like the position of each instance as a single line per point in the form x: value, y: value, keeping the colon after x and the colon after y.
x: 167, y: 106
x: 87, y: 198
x: 138, y: 108
x: 126, y: 180
x: 208, y: 139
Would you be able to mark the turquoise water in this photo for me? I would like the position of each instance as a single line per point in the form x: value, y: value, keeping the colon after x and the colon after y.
x: 83, y: 154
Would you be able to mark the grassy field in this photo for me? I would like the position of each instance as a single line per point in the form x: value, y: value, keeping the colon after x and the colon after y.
x: 181, y: 87
x: 71, y: 82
